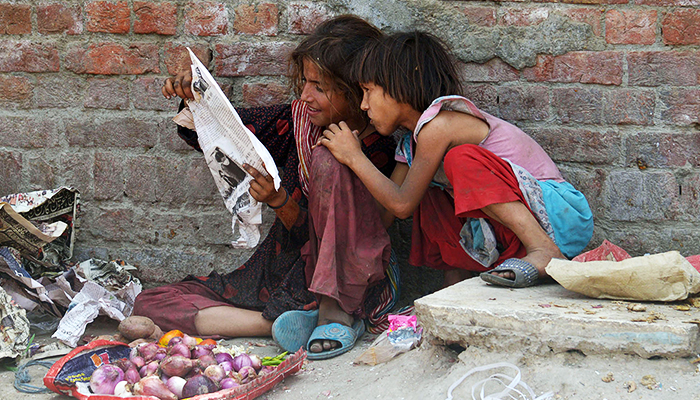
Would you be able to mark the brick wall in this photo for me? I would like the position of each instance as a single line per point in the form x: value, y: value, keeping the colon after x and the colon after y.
x: 610, y: 88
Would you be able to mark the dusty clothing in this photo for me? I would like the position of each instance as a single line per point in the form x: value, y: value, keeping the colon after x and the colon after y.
x: 450, y: 231
x: 349, y: 248
x: 272, y: 280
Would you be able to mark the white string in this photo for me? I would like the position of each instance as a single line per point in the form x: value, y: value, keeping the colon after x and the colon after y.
x: 505, y: 393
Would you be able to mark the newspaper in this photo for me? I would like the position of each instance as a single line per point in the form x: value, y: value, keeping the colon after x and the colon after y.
x: 227, y: 145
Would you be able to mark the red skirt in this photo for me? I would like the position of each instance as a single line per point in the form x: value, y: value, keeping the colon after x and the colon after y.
x: 479, y: 178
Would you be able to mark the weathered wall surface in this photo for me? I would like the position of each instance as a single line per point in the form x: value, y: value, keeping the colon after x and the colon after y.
x: 610, y: 88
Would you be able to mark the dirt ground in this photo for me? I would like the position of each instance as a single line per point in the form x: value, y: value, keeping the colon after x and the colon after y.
x: 428, y: 372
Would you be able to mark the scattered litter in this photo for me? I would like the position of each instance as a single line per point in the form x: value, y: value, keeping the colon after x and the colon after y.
x: 653, y: 316
x: 326, y: 393
x: 403, y: 335
x: 682, y: 307
x: 560, y: 306
x: 492, y: 298
x: 694, y: 301
x: 597, y: 306
x: 630, y: 386
x: 501, y: 379
x: 590, y: 312
x: 692, y: 321
x: 608, y: 378
x: 650, y: 382
x: 695, y: 361
x: 545, y: 305
x: 636, y: 307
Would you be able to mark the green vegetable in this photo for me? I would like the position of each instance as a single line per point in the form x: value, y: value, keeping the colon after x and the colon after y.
x: 274, y: 361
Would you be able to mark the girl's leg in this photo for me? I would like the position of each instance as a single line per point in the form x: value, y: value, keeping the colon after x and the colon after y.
x: 329, y: 311
x: 518, y: 218
x: 231, y: 321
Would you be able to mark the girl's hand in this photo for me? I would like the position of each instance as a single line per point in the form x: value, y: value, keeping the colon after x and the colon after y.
x: 342, y: 142
x: 263, y: 189
x: 178, y: 85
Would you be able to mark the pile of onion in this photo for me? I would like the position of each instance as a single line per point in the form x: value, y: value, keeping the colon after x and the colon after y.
x: 180, y: 370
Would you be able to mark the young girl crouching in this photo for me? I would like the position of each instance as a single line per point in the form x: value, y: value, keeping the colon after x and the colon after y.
x: 484, y: 196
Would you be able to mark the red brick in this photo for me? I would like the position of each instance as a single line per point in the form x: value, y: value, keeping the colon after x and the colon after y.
x: 604, y: 67
x: 493, y: 70
x: 177, y: 58
x: 115, y: 132
x: 108, y: 171
x: 593, y: 2
x: 241, y: 59
x: 630, y: 27
x: 15, y: 88
x: 206, y: 18
x: 10, y: 172
x: 113, y: 224
x: 480, y: 16
x: 50, y: 170
x: 108, y: 17
x: 146, y: 95
x: 28, y: 57
x: 58, y: 91
x: 578, y: 105
x: 687, y: 204
x: 114, y: 59
x: 629, y: 106
x: 59, y: 18
x: 29, y: 132
x: 664, y: 149
x: 111, y: 94
x: 592, y: 17
x: 579, y: 145
x: 523, y: 103
x: 15, y: 19
x: 42, y: 174
x: 485, y: 97
x: 682, y: 106
x: 523, y: 16
x: 681, y: 27
x: 667, y: 3
x: 265, y: 94
x: 152, y: 17
x: 656, y: 68
x: 260, y: 19
x: 304, y: 17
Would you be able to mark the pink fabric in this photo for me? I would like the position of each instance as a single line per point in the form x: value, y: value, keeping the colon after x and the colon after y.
x: 504, y: 139
x: 609, y: 252
x: 175, y: 306
x: 348, y: 248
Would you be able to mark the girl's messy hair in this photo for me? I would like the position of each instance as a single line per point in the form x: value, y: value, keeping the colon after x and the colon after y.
x: 332, y: 47
x: 412, y: 67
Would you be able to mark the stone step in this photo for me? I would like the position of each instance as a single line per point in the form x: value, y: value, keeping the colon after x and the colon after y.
x: 548, y: 318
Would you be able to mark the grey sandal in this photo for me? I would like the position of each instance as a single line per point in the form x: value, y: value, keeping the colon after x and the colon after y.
x: 525, y: 274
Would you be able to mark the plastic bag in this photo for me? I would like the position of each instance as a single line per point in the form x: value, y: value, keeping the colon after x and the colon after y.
x: 403, y: 335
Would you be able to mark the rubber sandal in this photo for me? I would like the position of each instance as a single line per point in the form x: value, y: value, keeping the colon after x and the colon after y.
x: 525, y: 274
x: 345, y: 335
x: 292, y: 329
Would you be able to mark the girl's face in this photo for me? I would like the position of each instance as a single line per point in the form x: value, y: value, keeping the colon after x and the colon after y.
x: 326, y: 105
x: 384, y: 112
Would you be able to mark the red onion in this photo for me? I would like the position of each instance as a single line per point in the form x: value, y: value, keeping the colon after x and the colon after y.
x: 174, y: 340
x: 189, y: 341
x: 240, y: 361
x: 123, y: 363
x: 153, y: 386
x: 176, y: 365
x: 255, y: 362
x: 200, y: 350
x: 228, y: 383
x: 221, y: 357
x: 138, y: 361
x: 132, y: 375
x: 215, y: 372
x: 206, y: 360
x: 227, y: 366
x: 247, y: 374
x: 175, y: 385
x: 105, y: 378
x: 180, y: 349
x: 199, y: 384
x: 149, y: 369
x: 148, y: 350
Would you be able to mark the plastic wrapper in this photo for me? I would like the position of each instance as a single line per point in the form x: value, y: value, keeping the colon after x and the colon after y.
x: 403, y: 335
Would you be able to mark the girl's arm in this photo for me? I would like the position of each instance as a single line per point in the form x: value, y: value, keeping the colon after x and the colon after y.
x: 398, y: 199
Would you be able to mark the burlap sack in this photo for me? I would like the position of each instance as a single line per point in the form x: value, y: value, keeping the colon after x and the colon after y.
x: 657, y: 277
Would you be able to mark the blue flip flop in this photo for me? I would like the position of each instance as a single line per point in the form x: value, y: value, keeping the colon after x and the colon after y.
x: 345, y: 335
x: 292, y: 329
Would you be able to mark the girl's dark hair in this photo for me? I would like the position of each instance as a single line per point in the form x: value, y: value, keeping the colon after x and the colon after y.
x: 412, y: 67
x: 332, y: 47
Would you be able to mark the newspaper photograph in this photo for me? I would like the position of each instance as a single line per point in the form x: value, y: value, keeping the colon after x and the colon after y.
x: 227, y: 145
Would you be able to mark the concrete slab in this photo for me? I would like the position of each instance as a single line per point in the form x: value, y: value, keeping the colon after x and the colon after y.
x: 548, y: 318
